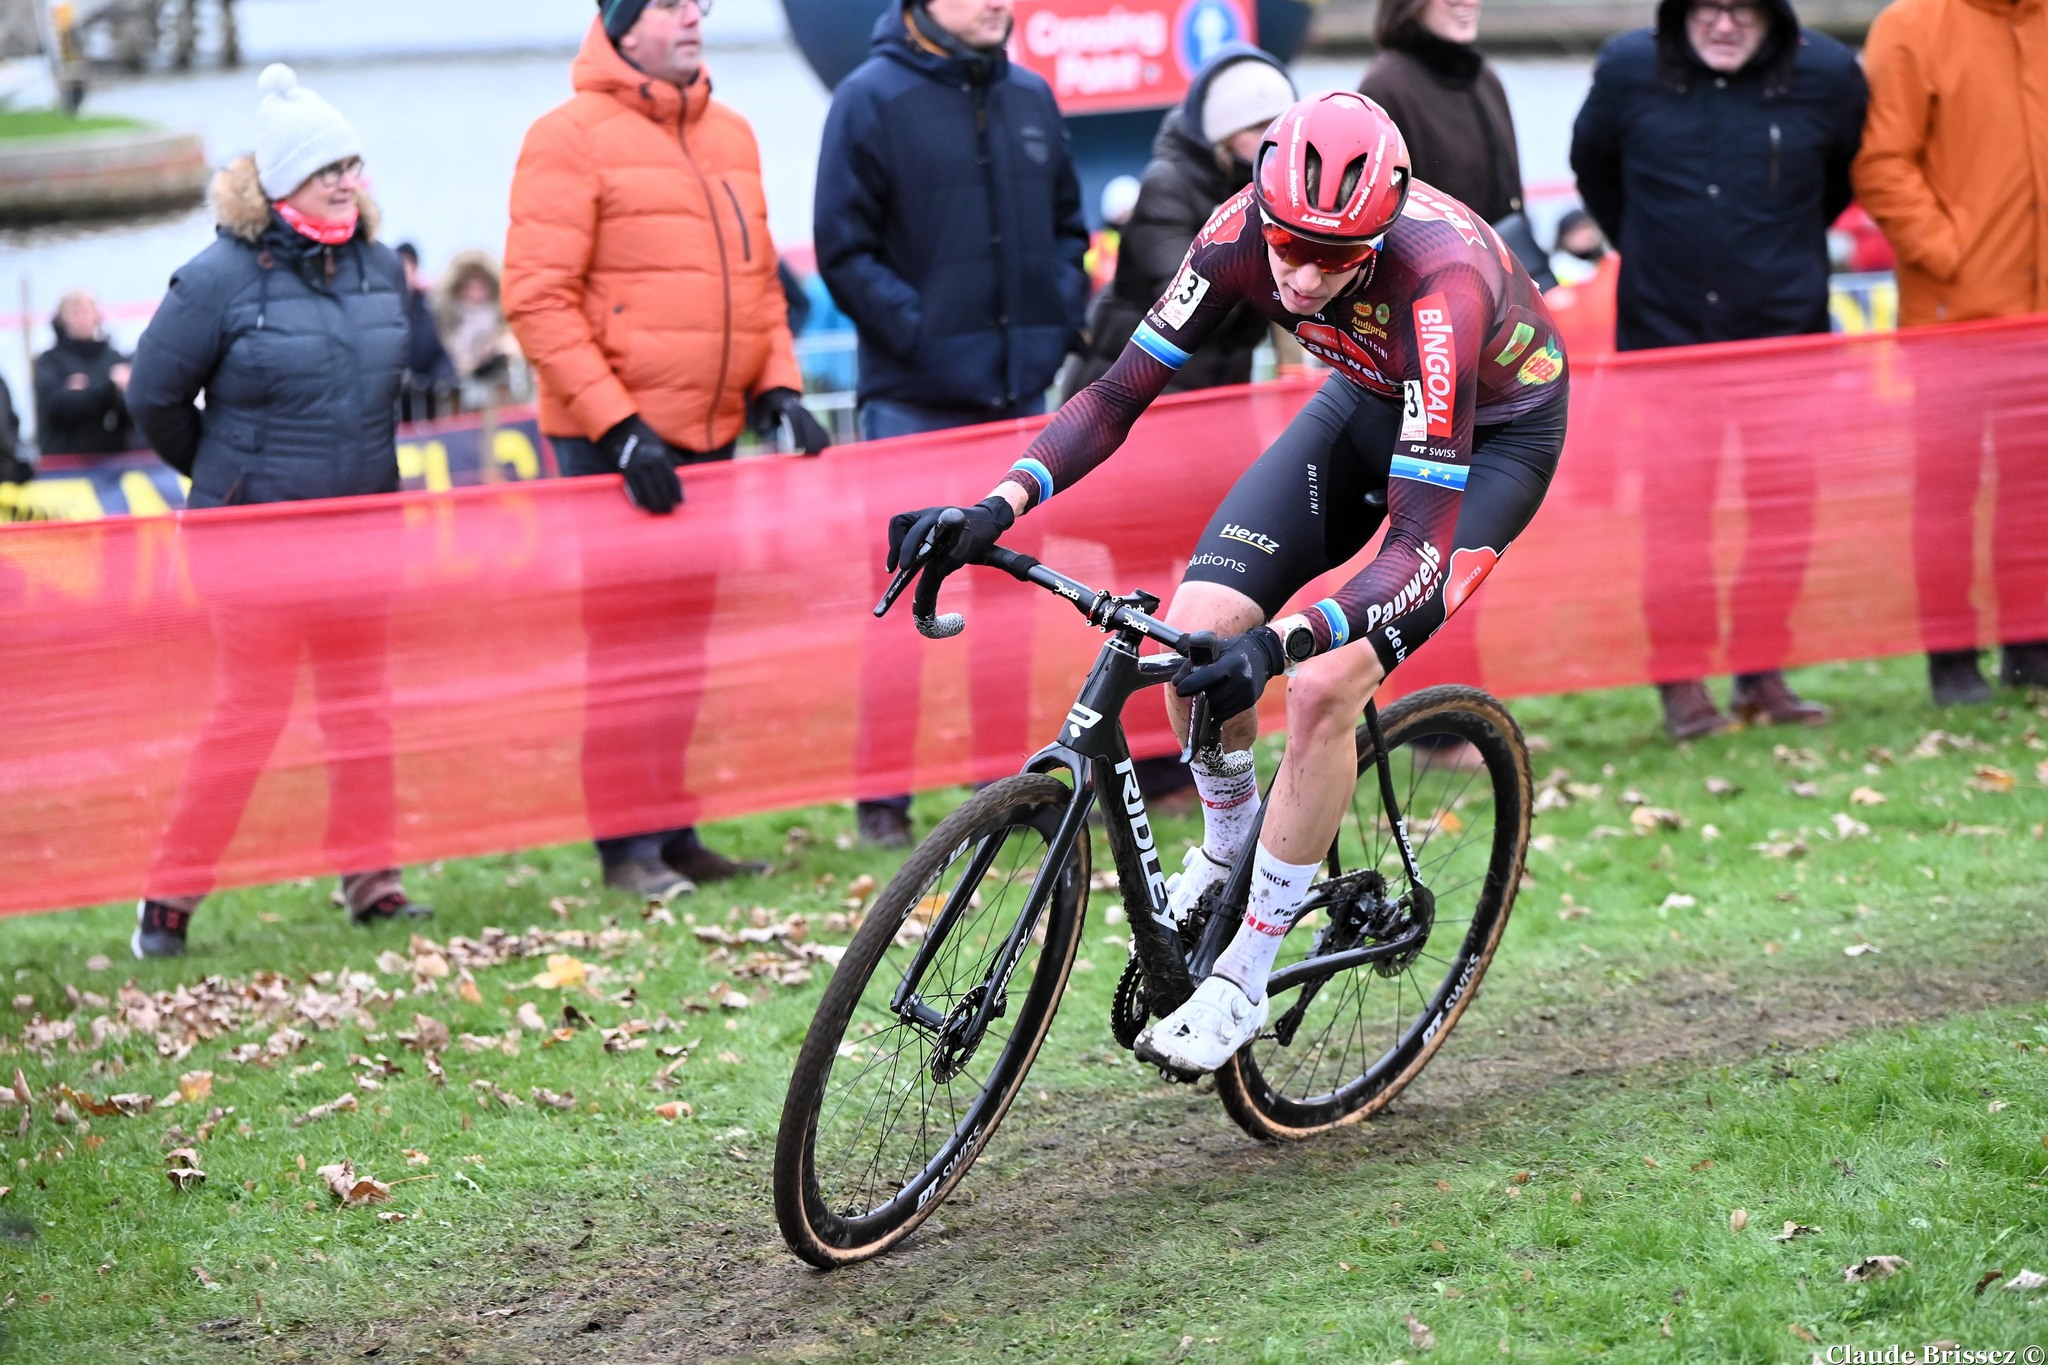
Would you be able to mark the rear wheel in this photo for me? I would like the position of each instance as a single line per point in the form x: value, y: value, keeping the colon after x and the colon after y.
x: 891, y: 1104
x: 1339, y: 1049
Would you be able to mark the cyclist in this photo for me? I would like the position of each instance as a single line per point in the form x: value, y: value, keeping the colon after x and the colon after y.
x: 1444, y: 417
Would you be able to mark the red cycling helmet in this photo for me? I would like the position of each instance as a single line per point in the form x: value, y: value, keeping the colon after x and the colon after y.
x: 1332, y: 175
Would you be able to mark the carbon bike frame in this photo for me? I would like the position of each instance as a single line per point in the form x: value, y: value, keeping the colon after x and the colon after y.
x: 1094, y: 752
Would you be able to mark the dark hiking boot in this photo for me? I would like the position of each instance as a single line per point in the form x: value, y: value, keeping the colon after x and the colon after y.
x: 2024, y: 665
x: 1765, y: 699
x: 882, y: 826
x: 159, y: 930
x: 1953, y: 678
x: 648, y: 878
x: 687, y: 854
x: 1690, y: 713
x: 395, y: 905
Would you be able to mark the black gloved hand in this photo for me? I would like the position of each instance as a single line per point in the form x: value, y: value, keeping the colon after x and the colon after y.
x: 986, y: 520
x: 1233, y: 683
x: 787, y: 405
x: 648, y: 463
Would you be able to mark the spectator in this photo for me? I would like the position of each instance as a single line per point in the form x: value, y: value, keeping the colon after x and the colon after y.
x: 13, y: 468
x: 1578, y: 248
x: 1200, y: 158
x: 81, y: 383
x: 641, y: 282
x: 1448, y: 101
x: 1714, y: 150
x: 469, y: 311
x: 292, y: 326
x: 428, y: 370
x: 1954, y: 167
x: 948, y: 222
x: 948, y: 226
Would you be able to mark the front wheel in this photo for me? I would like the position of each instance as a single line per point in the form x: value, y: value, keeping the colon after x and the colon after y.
x: 1340, y: 1048
x: 929, y: 1025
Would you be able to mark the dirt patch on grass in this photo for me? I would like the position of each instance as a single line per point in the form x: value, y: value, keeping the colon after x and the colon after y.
x: 1066, y: 1185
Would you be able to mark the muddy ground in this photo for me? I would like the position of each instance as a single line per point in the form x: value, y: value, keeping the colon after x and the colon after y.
x: 712, y: 1281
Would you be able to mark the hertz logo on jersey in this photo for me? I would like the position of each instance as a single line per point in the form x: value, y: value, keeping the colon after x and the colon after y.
x: 1436, y: 341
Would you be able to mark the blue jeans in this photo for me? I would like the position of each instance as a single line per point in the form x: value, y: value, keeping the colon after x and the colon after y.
x: 882, y: 418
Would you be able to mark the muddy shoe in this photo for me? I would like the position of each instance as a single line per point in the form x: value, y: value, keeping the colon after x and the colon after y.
x: 1765, y: 699
x: 159, y: 930
x: 882, y: 826
x: 2024, y: 665
x: 394, y: 906
x: 687, y: 854
x: 648, y: 878
x: 1953, y: 678
x: 1690, y: 713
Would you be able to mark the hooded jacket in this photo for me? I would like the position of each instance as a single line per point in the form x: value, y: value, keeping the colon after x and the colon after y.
x: 1954, y: 164
x: 1453, y: 113
x: 91, y: 419
x: 639, y: 274
x: 475, y: 336
x: 948, y: 225
x: 1180, y: 189
x: 1718, y: 190
x: 298, y: 347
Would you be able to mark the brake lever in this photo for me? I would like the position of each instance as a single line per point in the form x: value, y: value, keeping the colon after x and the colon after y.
x: 924, y: 603
x: 1203, y: 734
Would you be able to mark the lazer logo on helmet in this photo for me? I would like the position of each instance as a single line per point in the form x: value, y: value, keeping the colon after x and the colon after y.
x: 1437, y: 342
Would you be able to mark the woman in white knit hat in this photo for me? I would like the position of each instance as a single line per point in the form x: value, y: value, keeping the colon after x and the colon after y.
x: 292, y: 326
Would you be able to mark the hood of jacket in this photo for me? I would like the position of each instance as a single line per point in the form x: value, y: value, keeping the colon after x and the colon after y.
x: 897, y: 38
x: 242, y: 210
x: 600, y: 70
x: 467, y: 265
x: 1678, y: 66
x: 1180, y: 132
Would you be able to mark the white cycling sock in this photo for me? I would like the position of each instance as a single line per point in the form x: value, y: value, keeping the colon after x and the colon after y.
x: 1277, y: 892
x: 1228, y: 784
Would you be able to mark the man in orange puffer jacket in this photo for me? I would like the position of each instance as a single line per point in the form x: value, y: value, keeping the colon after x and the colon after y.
x: 641, y: 283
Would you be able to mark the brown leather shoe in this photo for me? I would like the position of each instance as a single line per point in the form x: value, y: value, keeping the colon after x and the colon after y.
x: 1689, y: 713
x: 687, y: 854
x: 1765, y: 699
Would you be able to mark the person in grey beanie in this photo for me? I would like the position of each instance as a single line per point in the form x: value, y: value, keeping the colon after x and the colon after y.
x: 292, y: 326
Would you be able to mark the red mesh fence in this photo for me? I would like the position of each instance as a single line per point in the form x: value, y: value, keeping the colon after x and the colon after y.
x: 249, y: 694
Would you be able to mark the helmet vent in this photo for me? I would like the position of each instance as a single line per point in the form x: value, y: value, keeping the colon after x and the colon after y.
x: 1352, y: 175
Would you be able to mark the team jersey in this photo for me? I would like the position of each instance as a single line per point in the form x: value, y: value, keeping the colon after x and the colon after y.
x: 1444, y: 321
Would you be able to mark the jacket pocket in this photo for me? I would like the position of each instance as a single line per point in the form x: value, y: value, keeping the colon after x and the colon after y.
x: 739, y: 214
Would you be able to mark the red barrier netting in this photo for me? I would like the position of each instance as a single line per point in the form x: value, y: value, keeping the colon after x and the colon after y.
x: 355, y: 684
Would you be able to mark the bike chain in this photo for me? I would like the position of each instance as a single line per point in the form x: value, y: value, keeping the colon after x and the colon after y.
x: 1129, y: 1011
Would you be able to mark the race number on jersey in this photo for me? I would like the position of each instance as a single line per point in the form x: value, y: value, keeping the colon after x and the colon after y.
x: 1183, y: 297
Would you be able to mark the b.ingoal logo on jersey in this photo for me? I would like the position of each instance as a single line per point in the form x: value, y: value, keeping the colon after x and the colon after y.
x: 1435, y: 340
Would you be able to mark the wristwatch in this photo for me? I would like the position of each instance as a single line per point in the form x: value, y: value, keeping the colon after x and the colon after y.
x: 1297, y: 641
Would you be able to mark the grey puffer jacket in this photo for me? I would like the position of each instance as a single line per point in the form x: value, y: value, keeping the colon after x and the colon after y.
x: 298, y: 347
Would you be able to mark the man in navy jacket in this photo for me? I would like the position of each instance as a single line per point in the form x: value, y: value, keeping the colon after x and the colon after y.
x: 948, y: 222
x: 1714, y: 150
x: 948, y: 227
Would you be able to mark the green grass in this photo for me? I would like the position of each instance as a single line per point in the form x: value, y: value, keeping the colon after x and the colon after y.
x: 1115, y: 1216
x: 26, y: 123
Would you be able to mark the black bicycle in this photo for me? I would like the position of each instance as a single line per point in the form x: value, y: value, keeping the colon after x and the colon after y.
x: 940, y: 1004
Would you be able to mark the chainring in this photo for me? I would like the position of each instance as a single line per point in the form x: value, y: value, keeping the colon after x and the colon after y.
x: 1129, y: 1010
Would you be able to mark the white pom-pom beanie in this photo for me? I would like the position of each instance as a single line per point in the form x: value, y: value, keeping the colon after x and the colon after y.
x: 297, y: 132
x: 1248, y: 93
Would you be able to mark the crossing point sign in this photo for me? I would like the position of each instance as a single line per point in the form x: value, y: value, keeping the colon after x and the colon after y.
x: 1101, y: 55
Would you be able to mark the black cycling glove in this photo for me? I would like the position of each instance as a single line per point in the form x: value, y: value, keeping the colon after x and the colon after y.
x: 1239, y: 674
x: 648, y: 463
x: 986, y: 521
x: 787, y: 405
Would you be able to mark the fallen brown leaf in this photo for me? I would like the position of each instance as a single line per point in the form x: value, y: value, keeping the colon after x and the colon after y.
x: 183, y: 1169
x: 548, y: 1099
x: 1874, y: 1268
x: 1802, y: 1333
x: 1648, y: 819
x: 1990, y: 779
x: 390, y: 1216
x: 529, y: 1018
x: 1989, y: 1278
x: 1738, y: 1220
x: 352, y: 1190
x: 1419, y: 1335
x: 347, y: 1104
x: 674, y: 1109
x: 465, y: 987
x: 415, y: 1157
x: 1805, y: 790
x: 2026, y: 1280
x: 199, y: 1272
x: 195, y: 1086
x: 1793, y: 1229
x: 1867, y: 796
x: 1721, y: 786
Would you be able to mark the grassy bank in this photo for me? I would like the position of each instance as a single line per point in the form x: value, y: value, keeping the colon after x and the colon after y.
x: 1676, y: 1027
x: 28, y: 123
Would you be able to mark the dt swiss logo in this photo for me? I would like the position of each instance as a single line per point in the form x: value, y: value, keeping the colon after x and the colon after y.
x: 1435, y: 339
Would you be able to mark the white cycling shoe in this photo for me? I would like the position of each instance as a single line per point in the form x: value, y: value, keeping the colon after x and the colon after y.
x: 1205, y: 1032
x: 1198, y: 872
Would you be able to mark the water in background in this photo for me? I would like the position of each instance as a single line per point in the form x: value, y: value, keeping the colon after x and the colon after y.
x: 442, y: 129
